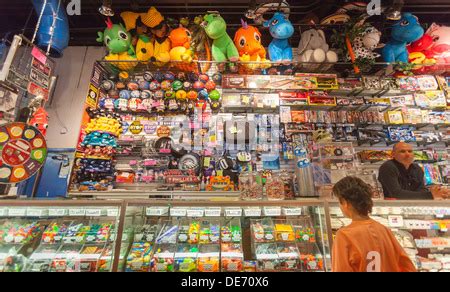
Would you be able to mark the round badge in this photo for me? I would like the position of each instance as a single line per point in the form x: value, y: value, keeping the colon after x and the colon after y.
x: 136, y: 127
x: 163, y: 131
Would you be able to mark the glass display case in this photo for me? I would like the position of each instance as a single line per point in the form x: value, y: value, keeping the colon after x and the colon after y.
x: 421, y: 227
x: 208, y: 236
x: 55, y: 236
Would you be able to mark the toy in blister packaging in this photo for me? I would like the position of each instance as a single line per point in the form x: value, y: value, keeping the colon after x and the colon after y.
x: 430, y: 99
x: 288, y: 257
x: 372, y: 82
x: 409, y: 83
x: 186, y: 258
x: 267, y: 257
x: 412, y: 116
x: 394, y: 117
x: 231, y: 257
x: 389, y: 83
x: 438, y: 117
x: 350, y: 83
x: 139, y: 257
x: 403, y: 100
x: 163, y: 259
x: 404, y: 134
x: 427, y: 82
x: 209, y: 258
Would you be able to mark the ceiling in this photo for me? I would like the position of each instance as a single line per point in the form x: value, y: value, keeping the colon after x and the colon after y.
x: 19, y: 16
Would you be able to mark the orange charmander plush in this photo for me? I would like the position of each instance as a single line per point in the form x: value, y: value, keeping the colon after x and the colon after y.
x: 248, y: 42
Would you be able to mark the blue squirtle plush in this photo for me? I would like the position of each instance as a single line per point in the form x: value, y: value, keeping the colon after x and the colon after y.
x: 404, y: 31
x: 281, y: 30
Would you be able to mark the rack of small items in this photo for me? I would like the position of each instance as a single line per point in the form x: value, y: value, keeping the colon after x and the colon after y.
x: 181, y: 131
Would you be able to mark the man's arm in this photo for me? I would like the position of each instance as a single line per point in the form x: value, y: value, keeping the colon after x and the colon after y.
x: 389, y: 179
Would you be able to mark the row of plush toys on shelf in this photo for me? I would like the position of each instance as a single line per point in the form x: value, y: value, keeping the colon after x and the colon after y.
x: 149, y: 37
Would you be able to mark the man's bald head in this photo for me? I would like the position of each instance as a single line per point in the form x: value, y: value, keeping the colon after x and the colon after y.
x: 403, y: 153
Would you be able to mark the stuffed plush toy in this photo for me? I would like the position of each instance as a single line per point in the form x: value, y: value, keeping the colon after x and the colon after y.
x: 364, y: 44
x: 313, y: 47
x: 118, y: 41
x: 441, y: 42
x: 248, y: 42
x: 39, y: 120
x: 181, y: 44
x: 153, y: 22
x: 223, y: 48
x: 404, y: 31
x: 420, y: 52
x: 281, y: 30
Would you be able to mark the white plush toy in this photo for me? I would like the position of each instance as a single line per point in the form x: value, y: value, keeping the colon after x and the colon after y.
x: 314, y: 48
x: 364, y: 44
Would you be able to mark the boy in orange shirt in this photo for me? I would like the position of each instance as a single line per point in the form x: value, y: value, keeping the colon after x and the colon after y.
x: 365, y: 245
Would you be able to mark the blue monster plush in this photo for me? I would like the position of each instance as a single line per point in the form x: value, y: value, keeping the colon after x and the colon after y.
x: 281, y: 30
x: 404, y: 31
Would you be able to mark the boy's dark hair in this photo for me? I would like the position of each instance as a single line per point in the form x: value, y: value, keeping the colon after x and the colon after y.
x: 356, y: 192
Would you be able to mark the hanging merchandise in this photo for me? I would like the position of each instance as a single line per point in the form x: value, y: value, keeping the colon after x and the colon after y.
x: 39, y: 120
x: 223, y: 48
x: 404, y: 31
x: 23, y: 152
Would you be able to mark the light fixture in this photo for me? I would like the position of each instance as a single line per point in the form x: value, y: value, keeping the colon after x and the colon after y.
x: 106, y: 9
x: 395, y: 11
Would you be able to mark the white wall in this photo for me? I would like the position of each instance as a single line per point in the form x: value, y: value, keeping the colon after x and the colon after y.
x: 74, y: 71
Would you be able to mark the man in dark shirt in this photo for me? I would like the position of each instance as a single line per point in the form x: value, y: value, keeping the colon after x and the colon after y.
x: 402, y: 179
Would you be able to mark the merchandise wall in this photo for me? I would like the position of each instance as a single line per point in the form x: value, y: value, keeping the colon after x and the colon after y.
x: 203, y: 236
x: 198, y: 151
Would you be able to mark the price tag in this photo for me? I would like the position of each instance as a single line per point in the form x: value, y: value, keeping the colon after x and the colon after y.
x: 156, y: 211
x: 233, y: 212
x: 213, y: 212
x: 229, y: 254
x: 267, y: 256
x: 178, y: 212
x: 165, y: 255
x: 57, y: 212
x: 3, y: 213
x: 292, y: 211
x: 185, y: 255
x: 440, y: 216
x: 17, y: 212
x: 209, y: 255
x: 94, y: 212
x: 272, y: 211
x: 112, y: 212
x: 395, y: 221
x: 35, y: 212
x: 288, y: 255
x: 252, y: 212
x: 195, y: 212
x: 77, y: 212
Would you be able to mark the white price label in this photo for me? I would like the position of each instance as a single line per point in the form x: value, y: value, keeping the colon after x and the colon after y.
x: 252, y: 212
x: 213, y: 212
x: 292, y: 211
x: 229, y: 254
x: 17, y: 212
x: 185, y: 255
x: 272, y: 211
x: 77, y: 212
x: 195, y: 212
x: 3, y: 212
x: 178, y: 212
x: 57, y: 212
x: 395, y: 221
x: 267, y: 256
x: 209, y: 255
x: 440, y: 216
x: 156, y: 211
x: 233, y: 212
x: 94, y: 212
x: 112, y: 212
x: 35, y: 212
